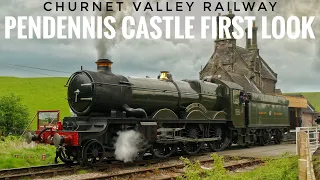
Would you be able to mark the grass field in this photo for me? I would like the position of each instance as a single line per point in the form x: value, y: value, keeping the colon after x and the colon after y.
x: 17, y: 153
x: 50, y: 94
x: 313, y: 98
x: 38, y: 93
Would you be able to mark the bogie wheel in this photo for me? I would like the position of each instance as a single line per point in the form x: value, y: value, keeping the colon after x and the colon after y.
x: 265, y: 138
x: 193, y: 132
x: 277, y: 137
x: 224, y: 140
x: 163, y: 151
x: 93, y: 153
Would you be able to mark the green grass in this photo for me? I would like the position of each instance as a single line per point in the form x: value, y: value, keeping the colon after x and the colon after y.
x: 38, y: 94
x: 17, y: 153
x: 313, y: 98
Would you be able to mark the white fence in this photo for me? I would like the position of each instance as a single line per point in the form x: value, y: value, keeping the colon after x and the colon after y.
x: 307, y: 142
x: 312, y: 137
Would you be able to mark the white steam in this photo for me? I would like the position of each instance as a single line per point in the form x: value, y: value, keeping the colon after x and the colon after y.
x: 128, y: 145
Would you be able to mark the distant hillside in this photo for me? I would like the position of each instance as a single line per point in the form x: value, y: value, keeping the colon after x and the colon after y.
x: 313, y: 98
x: 38, y: 93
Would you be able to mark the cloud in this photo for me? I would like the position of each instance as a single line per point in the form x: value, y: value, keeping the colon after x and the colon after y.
x: 297, y: 62
x: 149, y: 57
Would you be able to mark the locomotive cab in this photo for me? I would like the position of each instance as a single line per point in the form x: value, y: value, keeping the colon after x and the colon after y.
x: 229, y: 98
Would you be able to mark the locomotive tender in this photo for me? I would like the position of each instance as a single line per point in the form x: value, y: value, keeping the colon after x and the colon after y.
x: 171, y: 116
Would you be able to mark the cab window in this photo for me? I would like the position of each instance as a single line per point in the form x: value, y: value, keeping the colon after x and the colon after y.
x: 236, y: 96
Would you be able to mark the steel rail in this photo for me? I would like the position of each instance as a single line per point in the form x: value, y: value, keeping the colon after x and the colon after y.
x: 178, y: 165
x: 33, y: 171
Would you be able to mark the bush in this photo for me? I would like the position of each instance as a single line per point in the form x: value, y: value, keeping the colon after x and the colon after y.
x: 13, y: 115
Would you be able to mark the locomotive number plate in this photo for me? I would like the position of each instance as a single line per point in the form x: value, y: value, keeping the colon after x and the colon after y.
x: 237, y: 112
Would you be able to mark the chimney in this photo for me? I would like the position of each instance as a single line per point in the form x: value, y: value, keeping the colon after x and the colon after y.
x: 231, y: 16
x: 254, y: 36
x: 232, y: 40
x: 219, y: 14
x: 248, y: 41
x: 104, y: 65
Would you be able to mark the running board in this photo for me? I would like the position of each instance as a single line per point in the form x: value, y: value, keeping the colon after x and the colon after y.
x: 169, y: 139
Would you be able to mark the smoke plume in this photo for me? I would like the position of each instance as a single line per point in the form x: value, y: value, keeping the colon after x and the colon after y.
x: 127, y: 145
x: 103, y: 45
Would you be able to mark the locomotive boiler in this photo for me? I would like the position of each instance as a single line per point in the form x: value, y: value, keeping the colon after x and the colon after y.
x: 171, y: 116
x: 101, y: 92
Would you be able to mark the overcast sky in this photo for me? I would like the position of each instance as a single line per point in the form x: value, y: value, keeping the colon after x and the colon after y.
x: 297, y: 62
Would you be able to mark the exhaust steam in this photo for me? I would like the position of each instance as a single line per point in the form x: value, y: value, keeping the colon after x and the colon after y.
x: 128, y: 145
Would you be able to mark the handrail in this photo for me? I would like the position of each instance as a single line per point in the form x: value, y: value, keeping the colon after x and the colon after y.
x: 313, y: 137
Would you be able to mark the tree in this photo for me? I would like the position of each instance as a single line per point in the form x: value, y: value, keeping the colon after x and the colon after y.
x: 13, y: 115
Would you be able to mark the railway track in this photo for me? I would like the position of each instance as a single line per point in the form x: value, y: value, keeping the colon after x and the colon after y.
x: 231, y: 167
x: 36, y: 171
x: 62, y: 169
x: 58, y: 169
x: 175, y: 170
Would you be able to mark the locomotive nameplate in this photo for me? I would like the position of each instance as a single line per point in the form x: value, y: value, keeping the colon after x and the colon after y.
x: 262, y: 113
x: 278, y: 114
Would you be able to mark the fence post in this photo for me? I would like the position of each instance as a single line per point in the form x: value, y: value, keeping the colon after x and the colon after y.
x: 297, y: 141
x: 303, y: 145
x: 302, y: 169
x: 309, y: 159
x: 317, y: 138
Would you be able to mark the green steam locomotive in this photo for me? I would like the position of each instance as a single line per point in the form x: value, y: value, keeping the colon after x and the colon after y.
x: 171, y: 116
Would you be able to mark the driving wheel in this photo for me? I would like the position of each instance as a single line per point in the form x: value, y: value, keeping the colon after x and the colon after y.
x: 223, y: 140
x: 191, y: 132
x: 93, y: 153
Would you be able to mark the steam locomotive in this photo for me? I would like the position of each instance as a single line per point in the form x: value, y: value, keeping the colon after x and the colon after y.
x: 171, y: 116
